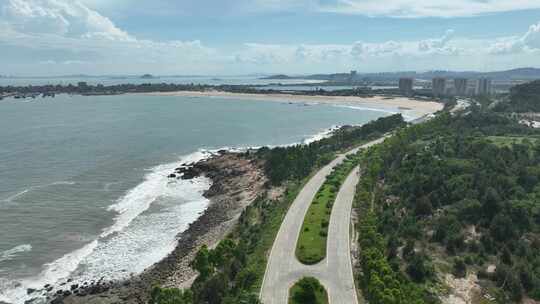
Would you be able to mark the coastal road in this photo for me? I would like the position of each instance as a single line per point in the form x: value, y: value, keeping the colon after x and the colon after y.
x: 335, y: 271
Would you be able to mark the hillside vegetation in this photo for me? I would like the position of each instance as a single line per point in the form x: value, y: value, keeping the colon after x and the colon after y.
x: 456, y: 196
x: 523, y: 98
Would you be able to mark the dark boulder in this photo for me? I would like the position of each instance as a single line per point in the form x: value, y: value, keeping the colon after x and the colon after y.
x: 57, y: 300
x: 190, y: 173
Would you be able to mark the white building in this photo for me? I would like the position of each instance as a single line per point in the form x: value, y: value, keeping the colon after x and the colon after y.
x: 483, y: 86
x: 406, y: 86
x: 439, y: 86
x: 460, y: 86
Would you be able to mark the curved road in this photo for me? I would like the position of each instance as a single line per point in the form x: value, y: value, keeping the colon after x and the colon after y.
x: 335, y: 271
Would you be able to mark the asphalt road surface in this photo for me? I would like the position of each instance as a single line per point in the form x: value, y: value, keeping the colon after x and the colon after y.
x: 335, y: 271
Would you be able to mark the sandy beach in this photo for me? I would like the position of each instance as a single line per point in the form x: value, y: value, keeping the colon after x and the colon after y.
x: 410, y: 106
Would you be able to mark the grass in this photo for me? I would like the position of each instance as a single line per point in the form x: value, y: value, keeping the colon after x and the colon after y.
x: 508, y: 141
x: 311, y: 245
x: 308, y: 291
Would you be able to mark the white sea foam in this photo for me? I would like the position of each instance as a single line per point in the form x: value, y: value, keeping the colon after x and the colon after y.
x: 15, y: 292
x: 139, y: 199
x: 130, y: 244
x: 16, y: 195
x: 405, y: 113
x: 321, y: 135
x: 150, y: 236
x: 25, y: 191
x: 141, y: 237
x: 61, y: 183
x: 11, y: 253
x: 378, y: 109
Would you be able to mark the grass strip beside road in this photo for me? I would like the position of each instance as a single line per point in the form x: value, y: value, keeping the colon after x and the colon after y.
x: 311, y: 245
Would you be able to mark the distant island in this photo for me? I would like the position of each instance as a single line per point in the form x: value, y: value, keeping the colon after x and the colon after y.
x: 279, y: 76
x: 148, y: 76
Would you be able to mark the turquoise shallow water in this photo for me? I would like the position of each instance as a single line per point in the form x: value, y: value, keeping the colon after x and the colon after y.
x: 83, y: 187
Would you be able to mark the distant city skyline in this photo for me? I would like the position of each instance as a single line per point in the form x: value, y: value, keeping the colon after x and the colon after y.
x: 238, y: 37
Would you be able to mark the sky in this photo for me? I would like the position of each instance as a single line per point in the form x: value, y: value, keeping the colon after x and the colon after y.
x: 239, y: 37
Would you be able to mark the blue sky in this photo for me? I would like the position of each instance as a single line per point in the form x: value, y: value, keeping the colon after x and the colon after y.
x: 52, y: 37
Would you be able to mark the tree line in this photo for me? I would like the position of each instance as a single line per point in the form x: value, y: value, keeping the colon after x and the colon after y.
x: 298, y: 161
x: 466, y: 185
x: 522, y: 98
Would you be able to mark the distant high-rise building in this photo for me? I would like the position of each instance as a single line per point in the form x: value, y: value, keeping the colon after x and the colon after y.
x: 353, y: 76
x: 406, y: 86
x: 438, y: 86
x: 460, y: 86
x: 483, y: 86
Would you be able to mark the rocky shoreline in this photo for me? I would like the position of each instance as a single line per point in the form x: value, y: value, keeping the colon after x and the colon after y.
x: 237, y: 180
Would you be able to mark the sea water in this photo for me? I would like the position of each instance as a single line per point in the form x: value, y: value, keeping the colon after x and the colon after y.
x: 84, y: 191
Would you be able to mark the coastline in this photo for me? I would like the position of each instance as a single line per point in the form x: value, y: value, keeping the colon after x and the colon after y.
x: 63, y: 281
x: 236, y: 181
x: 416, y: 106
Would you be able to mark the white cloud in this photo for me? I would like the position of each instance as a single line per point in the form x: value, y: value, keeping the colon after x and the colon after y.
x: 422, y: 48
x: 529, y: 42
x: 363, y: 50
x: 256, y: 53
x: 440, y: 45
x: 531, y: 39
x: 66, y: 36
x: 66, y: 18
x: 274, y: 54
x: 70, y: 33
x: 346, y: 54
x: 424, y: 8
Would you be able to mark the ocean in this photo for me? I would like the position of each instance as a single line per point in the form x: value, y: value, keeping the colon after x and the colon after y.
x: 84, y: 191
x: 114, y: 80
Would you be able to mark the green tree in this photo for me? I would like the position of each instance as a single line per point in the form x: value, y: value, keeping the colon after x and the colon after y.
x: 223, y: 253
x: 459, y: 268
x: 170, y: 296
x: 423, y: 206
x: 201, y: 263
x: 306, y: 293
x: 502, y: 228
x: 419, y: 268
